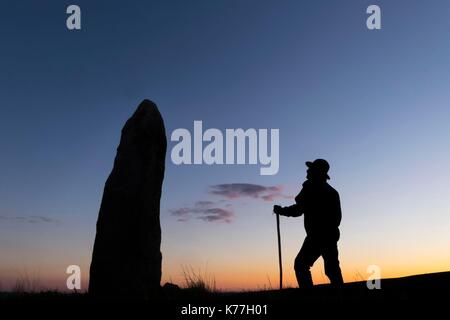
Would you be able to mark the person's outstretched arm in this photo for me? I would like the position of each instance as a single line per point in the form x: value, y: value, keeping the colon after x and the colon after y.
x: 295, y: 210
x: 290, y: 211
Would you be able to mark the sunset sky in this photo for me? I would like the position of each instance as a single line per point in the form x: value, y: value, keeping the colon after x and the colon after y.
x: 375, y: 104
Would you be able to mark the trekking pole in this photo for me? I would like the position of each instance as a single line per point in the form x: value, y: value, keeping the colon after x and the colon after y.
x: 280, y: 263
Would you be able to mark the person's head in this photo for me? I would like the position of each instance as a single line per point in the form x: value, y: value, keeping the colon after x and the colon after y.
x: 317, y: 170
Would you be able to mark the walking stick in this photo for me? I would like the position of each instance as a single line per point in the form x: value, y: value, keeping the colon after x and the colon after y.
x: 280, y: 263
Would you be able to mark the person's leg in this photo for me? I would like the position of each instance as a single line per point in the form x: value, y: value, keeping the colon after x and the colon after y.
x: 331, y: 261
x: 308, y: 254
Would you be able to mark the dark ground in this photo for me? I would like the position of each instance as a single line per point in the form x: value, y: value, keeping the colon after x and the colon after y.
x: 404, y: 295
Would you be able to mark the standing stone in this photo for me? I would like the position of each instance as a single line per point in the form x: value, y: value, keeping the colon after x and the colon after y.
x: 126, y: 260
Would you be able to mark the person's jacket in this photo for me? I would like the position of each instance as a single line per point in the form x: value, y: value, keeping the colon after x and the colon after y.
x: 320, y: 204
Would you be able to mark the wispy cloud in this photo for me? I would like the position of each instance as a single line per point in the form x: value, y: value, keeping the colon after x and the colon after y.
x: 221, y: 210
x: 29, y: 219
x: 217, y: 214
x: 208, y: 211
x: 240, y: 190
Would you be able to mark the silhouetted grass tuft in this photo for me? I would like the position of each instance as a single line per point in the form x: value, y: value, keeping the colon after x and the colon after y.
x: 26, y: 284
x: 201, y: 282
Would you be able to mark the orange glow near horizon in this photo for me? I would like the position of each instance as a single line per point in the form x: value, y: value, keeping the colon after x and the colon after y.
x: 244, y: 267
x: 244, y: 277
x: 261, y: 278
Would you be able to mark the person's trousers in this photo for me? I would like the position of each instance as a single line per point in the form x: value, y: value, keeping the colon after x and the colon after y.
x: 311, y: 250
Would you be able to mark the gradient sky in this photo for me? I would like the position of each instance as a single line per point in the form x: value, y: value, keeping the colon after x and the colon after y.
x: 374, y: 103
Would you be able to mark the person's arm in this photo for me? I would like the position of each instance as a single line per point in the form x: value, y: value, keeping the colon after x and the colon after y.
x: 292, y: 211
x: 295, y: 210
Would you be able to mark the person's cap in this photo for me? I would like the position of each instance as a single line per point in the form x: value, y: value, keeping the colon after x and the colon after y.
x: 319, y: 165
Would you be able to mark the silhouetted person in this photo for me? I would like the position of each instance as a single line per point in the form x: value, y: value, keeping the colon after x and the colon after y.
x: 320, y: 204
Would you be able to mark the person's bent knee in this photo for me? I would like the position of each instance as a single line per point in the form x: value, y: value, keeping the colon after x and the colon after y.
x: 300, y: 266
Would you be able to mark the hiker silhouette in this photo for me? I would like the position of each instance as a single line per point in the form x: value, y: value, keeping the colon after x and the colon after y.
x: 319, y: 203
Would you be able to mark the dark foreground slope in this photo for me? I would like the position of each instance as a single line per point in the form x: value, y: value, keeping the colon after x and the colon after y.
x: 404, y: 294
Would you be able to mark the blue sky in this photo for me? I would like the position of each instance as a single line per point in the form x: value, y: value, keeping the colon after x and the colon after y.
x: 374, y: 103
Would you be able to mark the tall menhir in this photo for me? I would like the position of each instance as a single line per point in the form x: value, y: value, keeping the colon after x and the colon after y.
x: 126, y: 260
